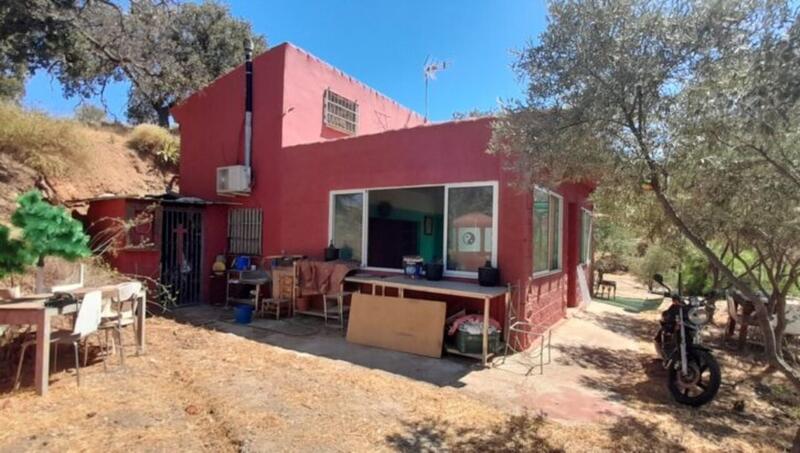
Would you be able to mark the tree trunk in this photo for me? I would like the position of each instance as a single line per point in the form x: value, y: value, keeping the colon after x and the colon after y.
x: 796, y: 443
x: 39, y: 282
x: 780, y: 327
x: 163, y: 116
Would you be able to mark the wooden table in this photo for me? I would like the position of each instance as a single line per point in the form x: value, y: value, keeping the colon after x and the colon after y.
x: 447, y: 287
x: 30, y: 309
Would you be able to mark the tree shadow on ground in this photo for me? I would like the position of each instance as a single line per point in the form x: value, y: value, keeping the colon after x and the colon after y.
x: 639, y: 380
x: 631, y: 434
x: 628, y: 325
x: 519, y: 433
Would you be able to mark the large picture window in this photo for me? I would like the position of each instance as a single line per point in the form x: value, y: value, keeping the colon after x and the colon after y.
x: 547, y: 231
x: 585, y: 245
x: 470, y: 217
x: 453, y: 224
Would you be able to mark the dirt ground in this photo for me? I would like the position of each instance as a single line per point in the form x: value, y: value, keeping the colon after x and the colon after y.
x: 199, y: 389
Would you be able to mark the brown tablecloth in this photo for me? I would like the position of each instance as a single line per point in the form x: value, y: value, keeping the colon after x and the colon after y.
x: 322, y: 277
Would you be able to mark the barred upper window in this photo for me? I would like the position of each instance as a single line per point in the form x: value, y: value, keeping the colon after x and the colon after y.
x: 340, y: 113
x: 244, y: 231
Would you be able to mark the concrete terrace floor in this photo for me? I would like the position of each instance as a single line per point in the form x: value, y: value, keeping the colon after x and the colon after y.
x: 567, y: 390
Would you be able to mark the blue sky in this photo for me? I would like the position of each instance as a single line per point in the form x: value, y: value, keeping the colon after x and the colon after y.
x: 384, y: 44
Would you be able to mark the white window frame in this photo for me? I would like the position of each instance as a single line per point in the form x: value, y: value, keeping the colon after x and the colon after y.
x: 446, y: 186
x: 588, y: 245
x: 560, y: 269
x: 364, y: 217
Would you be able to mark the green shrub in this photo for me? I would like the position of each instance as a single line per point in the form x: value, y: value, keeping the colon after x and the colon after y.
x: 46, y: 144
x: 656, y: 260
x: 91, y: 115
x: 696, y: 274
x: 157, y: 142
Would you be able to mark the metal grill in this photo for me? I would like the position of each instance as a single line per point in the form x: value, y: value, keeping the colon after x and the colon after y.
x: 181, y: 253
x: 340, y: 113
x: 244, y: 231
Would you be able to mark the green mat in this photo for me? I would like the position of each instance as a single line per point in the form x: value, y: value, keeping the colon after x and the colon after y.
x: 631, y: 304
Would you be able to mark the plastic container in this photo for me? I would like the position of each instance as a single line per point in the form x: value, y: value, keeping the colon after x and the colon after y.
x: 243, y: 314
x: 469, y: 343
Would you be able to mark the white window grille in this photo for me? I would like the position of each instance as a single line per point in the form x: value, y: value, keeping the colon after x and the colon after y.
x: 340, y: 113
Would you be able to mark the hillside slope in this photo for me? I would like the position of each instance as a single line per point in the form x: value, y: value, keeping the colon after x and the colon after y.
x: 105, y: 166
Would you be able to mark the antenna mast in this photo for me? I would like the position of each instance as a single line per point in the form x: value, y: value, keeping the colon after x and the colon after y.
x: 429, y: 70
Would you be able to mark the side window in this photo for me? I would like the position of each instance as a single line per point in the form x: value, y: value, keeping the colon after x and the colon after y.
x: 547, y: 231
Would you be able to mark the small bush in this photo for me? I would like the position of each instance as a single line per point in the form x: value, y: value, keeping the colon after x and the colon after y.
x: 91, y: 115
x: 157, y: 142
x: 46, y: 144
x: 656, y: 260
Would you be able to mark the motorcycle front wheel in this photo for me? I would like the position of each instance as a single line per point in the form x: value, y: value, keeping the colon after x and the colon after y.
x: 700, y: 384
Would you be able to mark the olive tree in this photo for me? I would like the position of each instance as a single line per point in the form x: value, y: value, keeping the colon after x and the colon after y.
x: 166, y: 49
x: 697, y: 102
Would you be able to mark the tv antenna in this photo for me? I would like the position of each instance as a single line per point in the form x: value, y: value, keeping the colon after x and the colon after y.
x: 429, y: 70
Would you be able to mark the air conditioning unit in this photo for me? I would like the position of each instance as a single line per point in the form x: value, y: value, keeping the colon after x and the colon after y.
x: 233, y: 180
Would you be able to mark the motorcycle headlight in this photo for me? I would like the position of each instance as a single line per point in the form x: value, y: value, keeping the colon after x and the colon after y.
x: 698, y: 316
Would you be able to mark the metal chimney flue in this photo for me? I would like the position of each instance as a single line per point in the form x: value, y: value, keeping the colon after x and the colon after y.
x: 248, y: 104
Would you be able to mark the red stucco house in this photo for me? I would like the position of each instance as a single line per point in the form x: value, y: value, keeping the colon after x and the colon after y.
x: 335, y: 160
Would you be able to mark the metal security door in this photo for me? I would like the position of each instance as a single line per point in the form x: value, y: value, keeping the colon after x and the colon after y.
x: 181, y: 253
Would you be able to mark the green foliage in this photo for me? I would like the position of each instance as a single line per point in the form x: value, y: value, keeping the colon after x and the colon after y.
x: 165, y: 49
x: 156, y: 141
x: 49, y: 230
x: 12, y: 84
x: 656, y: 260
x: 695, y: 274
x: 45, y: 144
x: 698, y: 99
x: 90, y: 115
x: 474, y: 113
x: 14, y: 255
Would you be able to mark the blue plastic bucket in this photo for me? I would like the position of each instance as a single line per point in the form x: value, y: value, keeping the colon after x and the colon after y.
x: 243, y: 314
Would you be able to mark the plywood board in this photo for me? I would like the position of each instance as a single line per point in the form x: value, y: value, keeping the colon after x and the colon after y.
x: 399, y: 324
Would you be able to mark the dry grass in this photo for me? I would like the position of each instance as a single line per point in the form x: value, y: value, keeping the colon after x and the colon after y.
x: 46, y: 144
x: 203, y: 390
x: 156, y: 141
x: 198, y: 389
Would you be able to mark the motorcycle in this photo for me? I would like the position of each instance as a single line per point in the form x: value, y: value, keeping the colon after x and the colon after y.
x: 694, y: 374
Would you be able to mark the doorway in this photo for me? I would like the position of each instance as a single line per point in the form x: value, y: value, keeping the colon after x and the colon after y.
x: 181, y: 253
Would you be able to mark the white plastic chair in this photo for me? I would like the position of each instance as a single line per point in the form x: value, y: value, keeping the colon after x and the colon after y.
x: 121, y: 313
x: 86, y: 323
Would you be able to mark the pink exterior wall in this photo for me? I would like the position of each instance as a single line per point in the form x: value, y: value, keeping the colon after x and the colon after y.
x: 295, y: 167
x: 126, y: 260
x: 307, y: 78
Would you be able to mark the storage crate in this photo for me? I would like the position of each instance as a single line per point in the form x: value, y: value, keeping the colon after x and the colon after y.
x: 473, y: 343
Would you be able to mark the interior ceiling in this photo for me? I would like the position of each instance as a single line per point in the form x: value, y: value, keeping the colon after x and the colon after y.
x: 429, y: 200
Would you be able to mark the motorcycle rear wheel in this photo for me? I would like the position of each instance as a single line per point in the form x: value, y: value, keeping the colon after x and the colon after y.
x: 701, y: 384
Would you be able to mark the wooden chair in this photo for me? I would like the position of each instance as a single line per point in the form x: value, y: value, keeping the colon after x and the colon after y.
x: 283, y: 283
x: 605, y: 287
x: 334, y: 307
